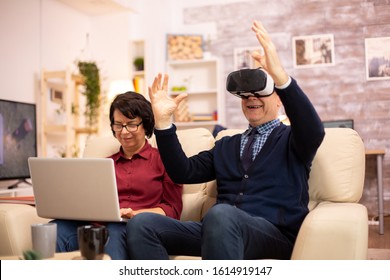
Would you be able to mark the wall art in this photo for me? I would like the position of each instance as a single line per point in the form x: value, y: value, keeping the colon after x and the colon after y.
x: 184, y: 47
x: 377, y: 58
x: 313, y: 50
x: 243, y: 57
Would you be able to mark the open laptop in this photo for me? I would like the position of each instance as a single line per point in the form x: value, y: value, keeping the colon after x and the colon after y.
x: 75, y: 189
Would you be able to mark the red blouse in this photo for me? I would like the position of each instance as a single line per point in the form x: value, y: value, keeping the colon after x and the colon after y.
x: 143, y: 182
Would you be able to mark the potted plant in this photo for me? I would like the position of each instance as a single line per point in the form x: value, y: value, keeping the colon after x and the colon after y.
x: 90, y: 73
x: 31, y: 255
x: 139, y: 63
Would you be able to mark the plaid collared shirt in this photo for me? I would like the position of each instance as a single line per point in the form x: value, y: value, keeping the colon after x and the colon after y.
x: 263, y: 131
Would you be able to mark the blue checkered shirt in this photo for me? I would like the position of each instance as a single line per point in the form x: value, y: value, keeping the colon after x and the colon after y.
x: 263, y: 131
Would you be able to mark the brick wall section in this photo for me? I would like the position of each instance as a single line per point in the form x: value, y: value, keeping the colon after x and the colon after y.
x: 338, y: 92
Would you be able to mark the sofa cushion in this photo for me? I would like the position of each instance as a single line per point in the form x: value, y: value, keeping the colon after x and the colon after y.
x: 341, y: 153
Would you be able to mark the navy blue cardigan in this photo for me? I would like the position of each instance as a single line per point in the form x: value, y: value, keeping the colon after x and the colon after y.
x: 276, y: 185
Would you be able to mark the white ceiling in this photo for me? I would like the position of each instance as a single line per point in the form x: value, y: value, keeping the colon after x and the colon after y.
x: 97, y: 7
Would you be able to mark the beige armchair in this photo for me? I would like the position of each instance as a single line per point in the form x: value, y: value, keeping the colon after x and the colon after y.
x: 335, y: 228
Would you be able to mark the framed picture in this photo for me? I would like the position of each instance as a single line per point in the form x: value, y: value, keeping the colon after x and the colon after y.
x: 56, y: 93
x: 243, y: 58
x: 377, y: 58
x: 184, y: 47
x: 313, y: 50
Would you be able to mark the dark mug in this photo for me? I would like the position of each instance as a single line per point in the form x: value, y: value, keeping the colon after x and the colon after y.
x: 92, y: 239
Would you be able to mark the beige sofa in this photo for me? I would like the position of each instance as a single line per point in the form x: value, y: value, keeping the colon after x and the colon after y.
x: 335, y: 228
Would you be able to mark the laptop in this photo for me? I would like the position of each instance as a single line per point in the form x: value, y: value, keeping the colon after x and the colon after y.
x: 75, y: 189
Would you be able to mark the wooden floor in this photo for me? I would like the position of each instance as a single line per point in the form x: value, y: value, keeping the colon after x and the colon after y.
x: 376, y: 240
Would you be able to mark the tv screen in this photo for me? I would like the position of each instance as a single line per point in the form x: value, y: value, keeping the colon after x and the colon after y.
x: 18, y: 139
x: 339, y: 123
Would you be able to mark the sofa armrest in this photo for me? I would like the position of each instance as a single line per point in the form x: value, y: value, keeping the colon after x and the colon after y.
x: 333, y: 231
x: 15, y: 228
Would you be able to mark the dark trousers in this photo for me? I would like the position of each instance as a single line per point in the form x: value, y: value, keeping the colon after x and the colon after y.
x: 226, y: 232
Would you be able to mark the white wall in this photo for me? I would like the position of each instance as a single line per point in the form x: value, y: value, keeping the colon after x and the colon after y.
x: 47, y: 34
x: 63, y: 35
x: 19, y: 49
x: 110, y: 41
x: 36, y: 34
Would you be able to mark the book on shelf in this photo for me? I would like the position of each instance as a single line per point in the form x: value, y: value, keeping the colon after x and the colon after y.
x: 30, y: 200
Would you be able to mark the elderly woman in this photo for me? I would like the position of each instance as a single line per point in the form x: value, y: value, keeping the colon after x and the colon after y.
x: 143, y: 184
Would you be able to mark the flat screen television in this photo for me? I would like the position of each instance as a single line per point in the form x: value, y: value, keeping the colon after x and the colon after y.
x: 339, y: 123
x: 18, y: 140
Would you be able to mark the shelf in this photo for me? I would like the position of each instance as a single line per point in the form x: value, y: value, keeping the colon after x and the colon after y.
x: 21, y: 187
x: 195, y: 75
x: 86, y: 130
x: 139, y: 73
x: 59, y: 129
x: 137, y: 49
x: 201, y: 91
x: 200, y: 78
x: 192, y: 62
x: 55, y: 129
x: 61, y: 90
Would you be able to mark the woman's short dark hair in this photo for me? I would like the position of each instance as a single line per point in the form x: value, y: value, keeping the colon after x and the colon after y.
x: 132, y: 105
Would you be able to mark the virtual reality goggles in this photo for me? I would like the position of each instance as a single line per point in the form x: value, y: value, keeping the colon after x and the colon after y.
x: 245, y: 83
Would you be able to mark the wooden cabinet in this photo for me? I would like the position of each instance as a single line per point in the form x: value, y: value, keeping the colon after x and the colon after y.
x: 200, y: 79
x: 61, y: 112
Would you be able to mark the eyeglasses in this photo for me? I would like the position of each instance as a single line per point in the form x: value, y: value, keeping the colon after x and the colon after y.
x: 129, y: 127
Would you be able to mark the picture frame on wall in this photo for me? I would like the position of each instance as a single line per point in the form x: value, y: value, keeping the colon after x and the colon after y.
x: 56, y: 93
x: 184, y: 47
x: 243, y: 58
x: 313, y: 50
x: 377, y: 58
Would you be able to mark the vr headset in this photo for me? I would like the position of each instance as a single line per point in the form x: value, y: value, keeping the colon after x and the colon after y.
x: 250, y: 82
